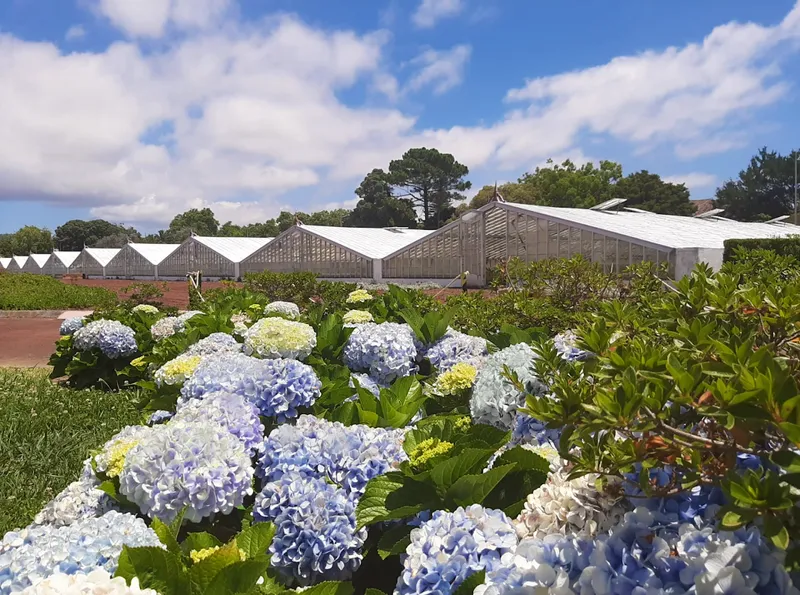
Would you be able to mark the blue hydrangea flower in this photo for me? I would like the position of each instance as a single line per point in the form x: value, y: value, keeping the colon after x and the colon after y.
x: 197, y: 465
x: 551, y: 565
x: 32, y: 554
x: 112, y: 338
x: 159, y: 416
x: 315, y: 521
x: 367, y: 382
x: 119, y: 443
x: 347, y: 455
x: 286, y: 309
x: 70, y: 325
x: 385, y: 351
x: 455, y: 347
x: 452, y: 546
x: 215, y: 343
x: 278, y: 387
x: 529, y: 430
x: 233, y: 412
x: 565, y: 344
x: 494, y: 399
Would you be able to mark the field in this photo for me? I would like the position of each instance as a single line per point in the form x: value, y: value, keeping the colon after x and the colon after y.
x: 46, y: 432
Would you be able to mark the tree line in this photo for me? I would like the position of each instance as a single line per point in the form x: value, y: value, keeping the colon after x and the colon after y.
x: 425, y: 189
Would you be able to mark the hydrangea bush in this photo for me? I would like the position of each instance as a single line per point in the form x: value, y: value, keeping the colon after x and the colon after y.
x: 70, y: 325
x: 385, y: 351
x: 112, y: 338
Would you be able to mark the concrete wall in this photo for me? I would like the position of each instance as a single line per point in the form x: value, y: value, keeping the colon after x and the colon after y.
x: 687, y: 258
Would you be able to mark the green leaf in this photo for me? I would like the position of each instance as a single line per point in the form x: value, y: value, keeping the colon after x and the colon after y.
x: 393, y: 496
x: 374, y: 592
x: 468, y: 461
x: 471, y: 583
x: 205, y: 571
x: 525, y: 459
x: 165, y: 535
x: 155, y: 568
x: 237, y: 578
x: 394, y: 541
x: 781, y: 539
x: 175, y: 525
x: 330, y: 588
x: 792, y: 431
x: 472, y: 489
x: 255, y: 540
x: 199, y: 541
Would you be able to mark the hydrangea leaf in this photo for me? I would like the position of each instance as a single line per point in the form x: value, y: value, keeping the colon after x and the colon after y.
x: 471, y: 583
x: 471, y: 460
x: 393, y: 496
x: 255, y: 540
x: 205, y: 571
x: 165, y: 535
x: 394, y: 541
x: 155, y: 568
x: 473, y: 489
x: 237, y: 578
x: 330, y: 588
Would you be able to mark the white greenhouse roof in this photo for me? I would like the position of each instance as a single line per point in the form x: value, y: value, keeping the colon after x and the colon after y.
x: 154, y: 253
x: 66, y: 258
x: 234, y: 249
x: 4, y: 262
x: 40, y: 259
x: 667, y: 231
x: 371, y: 242
x: 20, y: 260
x: 102, y: 255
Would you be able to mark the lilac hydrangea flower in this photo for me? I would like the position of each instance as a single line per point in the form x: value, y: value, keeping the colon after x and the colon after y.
x: 70, y: 325
x: 316, y: 537
x: 112, y: 338
x: 452, y: 546
x: 215, y: 343
x: 455, y: 347
x: 347, y: 455
x: 198, y: 465
x: 233, y: 412
x: 34, y: 553
x: 494, y: 399
x: 277, y: 387
x: 385, y: 351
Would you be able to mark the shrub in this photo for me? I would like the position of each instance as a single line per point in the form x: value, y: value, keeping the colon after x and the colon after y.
x: 24, y: 291
x: 144, y: 293
x: 783, y: 246
x: 299, y: 288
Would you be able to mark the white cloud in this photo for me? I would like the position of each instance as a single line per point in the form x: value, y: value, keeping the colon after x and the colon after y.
x: 430, y: 12
x: 150, y: 18
x: 75, y: 32
x: 253, y: 111
x: 694, y: 180
x: 442, y: 70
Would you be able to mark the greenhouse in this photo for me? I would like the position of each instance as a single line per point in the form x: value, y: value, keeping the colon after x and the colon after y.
x: 35, y: 264
x: 139, y: 261
x: 95, y: 260
x: 497, y: 232
x: 63, y: 263
x: 354, y: 253
x: 214, y: 257
x: 4, y: 263
x: 16, y: 264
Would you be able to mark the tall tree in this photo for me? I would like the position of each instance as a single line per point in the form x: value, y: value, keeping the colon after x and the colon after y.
x: 202, y: 222
x: 286, y: 219
x: 333, y: 218
x: 647, y: 191
x: 77, y: 233
x: 431, y: 180
x: 567, y: 185
x: 763, y: 191
x: 378, y: 207
x: 32, y: 240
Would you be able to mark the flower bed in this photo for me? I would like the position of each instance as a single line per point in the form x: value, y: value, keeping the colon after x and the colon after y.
x: 403, y: 455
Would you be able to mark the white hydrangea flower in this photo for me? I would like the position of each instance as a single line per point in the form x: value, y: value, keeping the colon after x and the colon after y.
x: 278, y: 338
x: 97, y: 582
x: 288, y: 309
x: 357, y: 317
x: 79, y: 500
x: 177, y: 370
x: 565, y: 507
x: 145, y: 309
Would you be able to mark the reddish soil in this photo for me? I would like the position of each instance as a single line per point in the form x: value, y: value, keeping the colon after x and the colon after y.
x: 27, y: 342
x: 176, y: 293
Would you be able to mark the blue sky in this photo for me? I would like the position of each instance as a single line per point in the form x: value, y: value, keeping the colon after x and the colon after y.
x: 135, y: 111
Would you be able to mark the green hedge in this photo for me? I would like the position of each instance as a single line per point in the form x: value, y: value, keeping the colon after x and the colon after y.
x: 782, y: 246
x: 24, y: 291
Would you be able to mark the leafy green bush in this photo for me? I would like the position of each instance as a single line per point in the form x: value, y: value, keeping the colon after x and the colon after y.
x: 736, y: 249
x: 300, y: 288
x: 475, y: 313
x: 24, y: 291
x: 144, y: 293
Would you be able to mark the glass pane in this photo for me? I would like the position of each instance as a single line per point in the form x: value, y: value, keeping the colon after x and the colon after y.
x: 637, y: 253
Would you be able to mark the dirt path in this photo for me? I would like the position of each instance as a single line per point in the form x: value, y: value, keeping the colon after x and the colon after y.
x: 27, y: 342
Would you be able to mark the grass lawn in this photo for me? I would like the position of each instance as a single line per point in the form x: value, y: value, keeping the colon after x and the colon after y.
x: 46, y: 432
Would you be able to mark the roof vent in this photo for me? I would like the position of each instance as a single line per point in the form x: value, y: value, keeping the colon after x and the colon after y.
x: 609, y: 204
x: 780, y: 219
x: 632, y: 210
x: 710, y: 214
x: 396, y: 229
